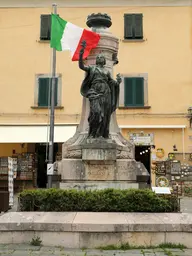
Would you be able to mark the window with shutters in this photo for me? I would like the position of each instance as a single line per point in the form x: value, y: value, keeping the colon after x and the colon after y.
x: 42, y: 95
x: 134, y: 91
x: 44, y: 91
x: 133, y: 26
x: 45, y: 31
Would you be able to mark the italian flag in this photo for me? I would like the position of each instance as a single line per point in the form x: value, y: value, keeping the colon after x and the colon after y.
x: 66, y: 36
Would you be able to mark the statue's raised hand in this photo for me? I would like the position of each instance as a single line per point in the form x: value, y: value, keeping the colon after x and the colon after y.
x: 83, y: 44
x: 118, y: 78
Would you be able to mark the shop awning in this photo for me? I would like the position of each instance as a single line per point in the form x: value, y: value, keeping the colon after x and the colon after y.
x: 35, y: 133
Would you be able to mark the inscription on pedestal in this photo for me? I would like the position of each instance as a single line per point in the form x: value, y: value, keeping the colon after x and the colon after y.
x: 99, y: 172
x: 125, y: 170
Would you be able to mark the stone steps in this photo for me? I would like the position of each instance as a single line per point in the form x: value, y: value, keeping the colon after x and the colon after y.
x: 95, y: 229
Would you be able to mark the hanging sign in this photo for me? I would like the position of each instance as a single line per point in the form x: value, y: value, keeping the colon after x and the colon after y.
x: 141, y: 138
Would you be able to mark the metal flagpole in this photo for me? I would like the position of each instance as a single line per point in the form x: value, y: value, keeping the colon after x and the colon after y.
x: 52, y: 113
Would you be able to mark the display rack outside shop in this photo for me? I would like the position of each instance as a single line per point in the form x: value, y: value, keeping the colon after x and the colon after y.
x: 173, y: 173
x: 24, y: 170
x: 12, y: 169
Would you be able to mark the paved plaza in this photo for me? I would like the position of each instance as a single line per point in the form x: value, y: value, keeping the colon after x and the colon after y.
x: 26, y: 250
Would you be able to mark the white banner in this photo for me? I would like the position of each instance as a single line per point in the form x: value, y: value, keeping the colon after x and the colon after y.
x: 10, y: 181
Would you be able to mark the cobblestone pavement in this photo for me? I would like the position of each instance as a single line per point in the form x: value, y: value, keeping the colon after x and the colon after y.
x: 27, y: 250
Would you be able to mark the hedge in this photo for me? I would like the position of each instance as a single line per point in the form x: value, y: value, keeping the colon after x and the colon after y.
x: 108, y: 200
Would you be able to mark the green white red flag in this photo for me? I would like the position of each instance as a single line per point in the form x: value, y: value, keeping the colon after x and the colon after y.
x: 67, y: 36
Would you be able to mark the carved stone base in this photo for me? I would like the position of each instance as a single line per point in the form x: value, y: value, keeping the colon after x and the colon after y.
x: 74, y: 147
x: 100, y: 163
x: 75, y: 171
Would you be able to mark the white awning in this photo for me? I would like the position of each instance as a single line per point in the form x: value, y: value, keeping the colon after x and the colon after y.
x: 35, y: 133
x: 39, y: 133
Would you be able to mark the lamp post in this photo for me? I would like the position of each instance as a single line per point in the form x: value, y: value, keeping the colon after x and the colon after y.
x: 52, y: 113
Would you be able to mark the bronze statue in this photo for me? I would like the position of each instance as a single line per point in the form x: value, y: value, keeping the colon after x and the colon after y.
x: 103, y: 93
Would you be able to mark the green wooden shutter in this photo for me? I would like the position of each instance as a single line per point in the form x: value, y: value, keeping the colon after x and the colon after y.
x: 138, y: 26
x: 45, y: 32
x: 128, y: 91
x: 128, y: 26
x: 43, y: 95
x: 134, y: 91
x: 139, y: 91
x: 44, y: 98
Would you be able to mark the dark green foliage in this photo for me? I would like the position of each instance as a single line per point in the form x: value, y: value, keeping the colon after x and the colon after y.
x: 108, y: 200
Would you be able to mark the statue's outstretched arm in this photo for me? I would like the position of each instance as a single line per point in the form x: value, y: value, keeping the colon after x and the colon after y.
x: 118, y: 79
x: 81, y: 64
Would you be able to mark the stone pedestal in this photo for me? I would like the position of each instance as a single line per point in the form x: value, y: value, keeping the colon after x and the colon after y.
x: 94, y: 174
x: 100, y: 163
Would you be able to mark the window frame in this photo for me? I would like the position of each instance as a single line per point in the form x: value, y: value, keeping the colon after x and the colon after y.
x: 122, y: 90
x: 59, y: 90
x: 133, y: 24
x: 40, y: 36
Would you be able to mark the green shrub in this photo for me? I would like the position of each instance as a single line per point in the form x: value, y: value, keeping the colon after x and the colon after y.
x: 108, y: 200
